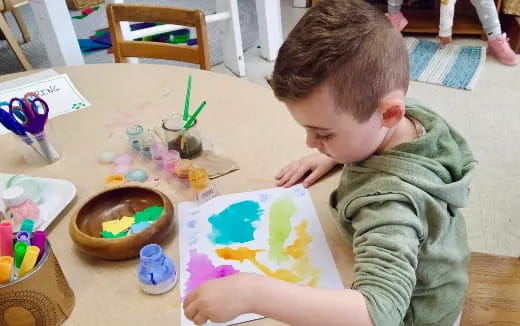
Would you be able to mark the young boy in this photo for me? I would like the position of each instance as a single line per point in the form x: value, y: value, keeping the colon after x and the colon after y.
x: 343, y: 74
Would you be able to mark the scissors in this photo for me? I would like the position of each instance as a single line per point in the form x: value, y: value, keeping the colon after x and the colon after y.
x: 11, y: 124
x: 32, y: 112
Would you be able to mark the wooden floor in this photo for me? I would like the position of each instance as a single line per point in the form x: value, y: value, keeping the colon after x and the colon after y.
x: 493, y: 295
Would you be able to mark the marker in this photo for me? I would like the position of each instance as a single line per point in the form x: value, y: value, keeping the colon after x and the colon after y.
x: 27, y: 226
x: 38, y: 240
x: 31, y: 255
x: 6, y: 269
x: 23, y: 236
x: 19, y: 252
x: 6, y: 239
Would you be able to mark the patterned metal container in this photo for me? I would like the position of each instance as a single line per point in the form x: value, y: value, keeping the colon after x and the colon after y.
x: 41, y: 298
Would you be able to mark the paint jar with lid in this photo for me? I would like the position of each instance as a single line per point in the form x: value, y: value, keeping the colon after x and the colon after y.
x: 20, y: 207
x: 200, y: 184
x: 156, y: 271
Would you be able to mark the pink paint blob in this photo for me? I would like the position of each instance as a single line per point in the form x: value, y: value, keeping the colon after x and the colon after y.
x: 123, y: 159
x: 201, y: 269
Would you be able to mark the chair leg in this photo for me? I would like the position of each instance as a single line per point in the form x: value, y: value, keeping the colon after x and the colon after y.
x: 21, y: 24
x: 13, y: 42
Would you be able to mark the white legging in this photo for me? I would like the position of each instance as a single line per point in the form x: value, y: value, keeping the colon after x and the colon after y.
x: 486, y: 10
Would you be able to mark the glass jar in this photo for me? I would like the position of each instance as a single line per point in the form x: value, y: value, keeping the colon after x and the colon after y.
x: 187, y: 142
x: 134, y: 134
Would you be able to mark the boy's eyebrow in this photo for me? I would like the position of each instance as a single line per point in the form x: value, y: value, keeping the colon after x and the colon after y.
x: 315, y: 127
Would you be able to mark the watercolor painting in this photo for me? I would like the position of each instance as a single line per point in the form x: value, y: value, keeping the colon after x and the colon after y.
x: 273, y: 232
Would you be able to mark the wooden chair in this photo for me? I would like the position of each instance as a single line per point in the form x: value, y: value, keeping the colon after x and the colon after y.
x: 493, y: 294
x: 158, y: 14
x: 12, y: 5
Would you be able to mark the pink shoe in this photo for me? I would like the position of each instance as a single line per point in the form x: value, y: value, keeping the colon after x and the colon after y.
x: 398, y: 20
x: 500, y: 48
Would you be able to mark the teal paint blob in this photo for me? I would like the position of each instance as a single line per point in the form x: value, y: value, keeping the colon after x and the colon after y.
x: 235, y: 223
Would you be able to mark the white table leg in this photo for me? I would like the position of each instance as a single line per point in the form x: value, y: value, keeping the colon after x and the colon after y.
x: 269, y: 27
x: 232, y: 49
x: 59, y: 37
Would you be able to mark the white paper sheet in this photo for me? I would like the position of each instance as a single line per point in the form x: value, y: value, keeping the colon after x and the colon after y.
x: 212, y: 226
x: 58, y: 91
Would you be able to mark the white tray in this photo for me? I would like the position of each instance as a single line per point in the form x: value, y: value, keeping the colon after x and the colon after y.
x: 57, y: 194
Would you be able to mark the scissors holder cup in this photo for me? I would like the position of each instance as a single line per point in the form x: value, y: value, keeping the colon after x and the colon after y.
x: 42, y: 297
x: 43, y: 148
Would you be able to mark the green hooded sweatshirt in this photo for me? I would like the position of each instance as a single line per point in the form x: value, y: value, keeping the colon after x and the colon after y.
x: 401, y: 210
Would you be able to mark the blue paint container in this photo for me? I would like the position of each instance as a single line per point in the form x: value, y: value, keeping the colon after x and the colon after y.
x: 156, y: 272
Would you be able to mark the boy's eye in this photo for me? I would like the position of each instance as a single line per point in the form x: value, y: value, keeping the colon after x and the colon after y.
x: 324, y: 136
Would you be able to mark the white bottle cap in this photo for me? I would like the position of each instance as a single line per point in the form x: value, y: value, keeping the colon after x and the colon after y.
x: 14, y: 196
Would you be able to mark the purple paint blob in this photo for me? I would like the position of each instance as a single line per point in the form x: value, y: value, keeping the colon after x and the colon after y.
x: 201, y: 269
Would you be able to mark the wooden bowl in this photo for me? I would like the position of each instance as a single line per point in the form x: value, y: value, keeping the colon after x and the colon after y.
x: 85, y: 227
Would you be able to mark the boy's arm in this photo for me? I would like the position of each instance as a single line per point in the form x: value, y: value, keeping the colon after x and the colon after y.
x: 302, y: 305
x: 446, y: 18
x: 386, y: 246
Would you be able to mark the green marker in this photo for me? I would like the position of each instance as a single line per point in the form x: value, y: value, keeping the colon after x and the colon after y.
x: 27, y: 226
x: 194, y: 116
x: 187, y: 100
x: 19, y: 252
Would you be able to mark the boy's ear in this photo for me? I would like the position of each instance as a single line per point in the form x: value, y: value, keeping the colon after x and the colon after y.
x: 392, y: 110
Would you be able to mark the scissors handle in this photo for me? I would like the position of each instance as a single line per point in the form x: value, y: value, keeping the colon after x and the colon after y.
x: 36, y: 105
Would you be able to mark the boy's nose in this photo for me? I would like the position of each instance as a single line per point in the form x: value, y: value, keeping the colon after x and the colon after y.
x: 311, y: 141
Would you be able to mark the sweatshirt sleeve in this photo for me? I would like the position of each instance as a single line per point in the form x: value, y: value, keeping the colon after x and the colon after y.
x: 446, y: 17
x: 386, y: 244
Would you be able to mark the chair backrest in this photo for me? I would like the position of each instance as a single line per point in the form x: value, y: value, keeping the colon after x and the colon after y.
x: 8, y: 5
x: 158, y: 14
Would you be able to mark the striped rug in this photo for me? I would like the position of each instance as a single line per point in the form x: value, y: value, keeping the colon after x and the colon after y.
x: 457, y: 66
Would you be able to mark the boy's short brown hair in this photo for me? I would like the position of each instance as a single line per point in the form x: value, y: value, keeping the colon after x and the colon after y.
x: 351, y: 46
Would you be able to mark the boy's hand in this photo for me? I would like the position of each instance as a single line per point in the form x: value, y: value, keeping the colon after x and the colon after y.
x: 444, y: 41
x: 219, y: 300
x: 318, y: 163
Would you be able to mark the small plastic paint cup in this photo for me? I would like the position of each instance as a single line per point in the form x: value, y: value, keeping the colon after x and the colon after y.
x: 198, y: 179
x: 169, y: 159
x: 157, y: 150
x: 183, y: 168
x: 133, y: 134
x: 145, y: 142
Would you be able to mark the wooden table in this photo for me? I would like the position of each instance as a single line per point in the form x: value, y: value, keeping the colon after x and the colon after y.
x: 243, y: 119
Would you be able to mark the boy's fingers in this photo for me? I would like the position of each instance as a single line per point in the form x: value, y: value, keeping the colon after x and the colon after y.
x: 189, y: 298
x: 287, y: 175
x: 314, y: 176
x: 295, y: 177
x: 200, y: 319
x: 190, y: 311
x: 309, y: 181
x: 281, y: 173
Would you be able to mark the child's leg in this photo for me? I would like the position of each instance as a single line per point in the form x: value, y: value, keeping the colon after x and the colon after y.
x: 487, y: 13
x: 394, y: 6
x: 497, y: 42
